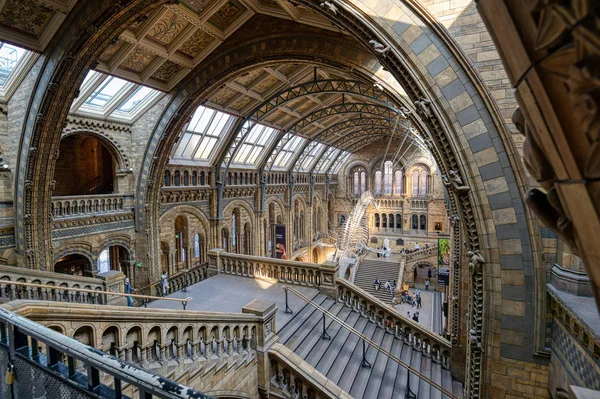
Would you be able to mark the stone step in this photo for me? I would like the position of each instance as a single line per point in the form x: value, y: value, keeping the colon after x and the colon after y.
x: 340, y: 357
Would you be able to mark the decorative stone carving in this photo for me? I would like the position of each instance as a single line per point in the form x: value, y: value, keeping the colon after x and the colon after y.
x: 455, y: 182
x: 379, y: 48
x: 329, y: 7
x: 547, y: 206
x: 476, y: 262
x: 423, y: 108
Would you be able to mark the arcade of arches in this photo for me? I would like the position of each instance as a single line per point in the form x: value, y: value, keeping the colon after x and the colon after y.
x: 142, y: 136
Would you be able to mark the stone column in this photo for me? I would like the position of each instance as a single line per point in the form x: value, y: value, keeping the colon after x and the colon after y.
x: 113, y: 281
x: 328, y: 272
x: 265, y: 338
x: 214, y: 261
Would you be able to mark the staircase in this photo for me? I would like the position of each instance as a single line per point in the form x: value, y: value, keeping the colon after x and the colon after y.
x: 340, y: 358
x: 369, y: 269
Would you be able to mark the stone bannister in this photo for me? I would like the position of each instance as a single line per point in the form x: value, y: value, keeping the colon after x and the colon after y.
x: 111, y: 281
x: 179, y: 281
x: 320, y: 276
x: 184, y: 346
x: 292, y: 377
x: 421, y: 254
x: 83, y: 205
x: 377, y: 311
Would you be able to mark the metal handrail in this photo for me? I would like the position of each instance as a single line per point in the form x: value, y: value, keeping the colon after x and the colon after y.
x: 372, y: 343
x: 20, y: 328
x: 183, y: 301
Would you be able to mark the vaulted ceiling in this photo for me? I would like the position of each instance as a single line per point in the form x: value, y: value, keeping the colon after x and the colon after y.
x: 159, y: 50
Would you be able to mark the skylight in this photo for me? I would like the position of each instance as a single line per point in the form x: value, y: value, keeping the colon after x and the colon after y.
x: 254, y: 144
x: 202, y: 134
x: 109, y: 97
x: 135, y: 99
x: 9, y: 60
x: 311, y: 156
x: 339, y: 162
x: 105, y: 92
x: 326, y: 160
x: 286, y: 154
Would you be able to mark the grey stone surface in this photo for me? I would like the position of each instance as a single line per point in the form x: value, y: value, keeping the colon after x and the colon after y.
x: 480, y: 142
x: 491, y: 171
x: 420, y: 43
x: 453, y: 89
x: 467, y: 115
x: 515, y: 293
x: 224, y: 293
x: 436, y: 66
x: 505, y: 231
x: 500, y: 201
x: 511, y: 262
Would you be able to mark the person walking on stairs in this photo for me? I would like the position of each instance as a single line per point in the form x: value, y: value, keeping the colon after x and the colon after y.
x: 128, y: 290
x: 377, y: 283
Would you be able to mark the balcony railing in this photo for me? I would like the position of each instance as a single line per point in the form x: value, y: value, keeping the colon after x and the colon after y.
x: 81, y: 205
x: 46, y: 364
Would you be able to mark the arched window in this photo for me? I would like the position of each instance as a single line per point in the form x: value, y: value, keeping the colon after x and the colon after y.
x: 177, y: 178
x: 384, y: 221
x: 186, y: 178
x: 377, y: 220
x: 356, y: 183
x: 363, y: 182
x: 196, y: 246
x: 423, y: 224
x: 180, y: 232
x: 423, y: 182
x: 378, y: 182
x: 103, y: 261
x: 167, y: 178
x: 398, y: 182
x: 387, y: 178
x: 415, y: 222
x: 398, y: 221
x: 391, y: 220
x: 415, y: 182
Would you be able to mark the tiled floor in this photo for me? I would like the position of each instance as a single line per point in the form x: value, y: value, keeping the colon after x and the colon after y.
x: 224, y: 293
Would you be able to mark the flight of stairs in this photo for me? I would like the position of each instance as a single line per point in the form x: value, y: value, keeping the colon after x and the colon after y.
x: 369, y: 269
x: 339, y: 358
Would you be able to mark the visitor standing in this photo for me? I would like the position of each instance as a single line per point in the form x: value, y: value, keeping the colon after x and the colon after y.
x: 128, y: 290
x: 429, y: 273
x: 419, y: 306
x: 427, y: 285
x: 164, y: 283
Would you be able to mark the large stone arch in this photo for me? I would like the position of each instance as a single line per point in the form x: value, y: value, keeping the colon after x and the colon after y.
x: 87, y: 31
x: 466, y: 135
x: 111, y: 144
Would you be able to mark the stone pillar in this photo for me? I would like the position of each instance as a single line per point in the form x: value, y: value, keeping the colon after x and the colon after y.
x: 214, y: 261
x: 328, y: 271
x: 265, y: 338
x: 569, y: 274
x: 113, y: 281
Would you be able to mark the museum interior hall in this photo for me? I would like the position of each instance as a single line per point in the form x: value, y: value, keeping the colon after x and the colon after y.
x: 300, y: 199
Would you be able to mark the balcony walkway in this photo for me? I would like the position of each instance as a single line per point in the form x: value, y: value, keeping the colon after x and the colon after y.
x: 225, y: 293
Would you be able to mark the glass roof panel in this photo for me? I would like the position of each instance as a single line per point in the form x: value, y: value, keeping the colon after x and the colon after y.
x: 285, y: 154
x: 9, y: 59
x: 340, y: 161
x: 252, y: 148
x: 105, y: 92
x: 135, y: 99
x: 204, y: 131
x: 327, y: 159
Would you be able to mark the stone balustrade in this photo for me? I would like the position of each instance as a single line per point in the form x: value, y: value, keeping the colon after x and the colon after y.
x: 180, y: 341
x: 421, y: 339
x: 292, y: 377
x: 180, y: 280
x: 79, y: 205
x: 421, y: 253
x: 275, y: 270
x: 64, y: 284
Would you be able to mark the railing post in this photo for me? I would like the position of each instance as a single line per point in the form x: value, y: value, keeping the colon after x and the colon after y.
x: 328, y: 273
x: 324, y: 335
x: 287, y: 307
x: 365, y: 362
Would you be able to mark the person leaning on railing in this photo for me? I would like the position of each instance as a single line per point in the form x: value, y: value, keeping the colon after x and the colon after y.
x: 128, y: 289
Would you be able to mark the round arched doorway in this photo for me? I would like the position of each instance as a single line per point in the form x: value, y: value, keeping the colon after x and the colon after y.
x: 74, y: 264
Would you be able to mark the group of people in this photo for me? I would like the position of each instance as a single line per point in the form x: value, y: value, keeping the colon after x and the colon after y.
x: 415, y: 316
x: 417, y: 248
x: 389, y: 286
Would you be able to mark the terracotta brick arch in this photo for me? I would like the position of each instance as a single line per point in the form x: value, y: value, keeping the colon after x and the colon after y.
x: 110, y: 142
